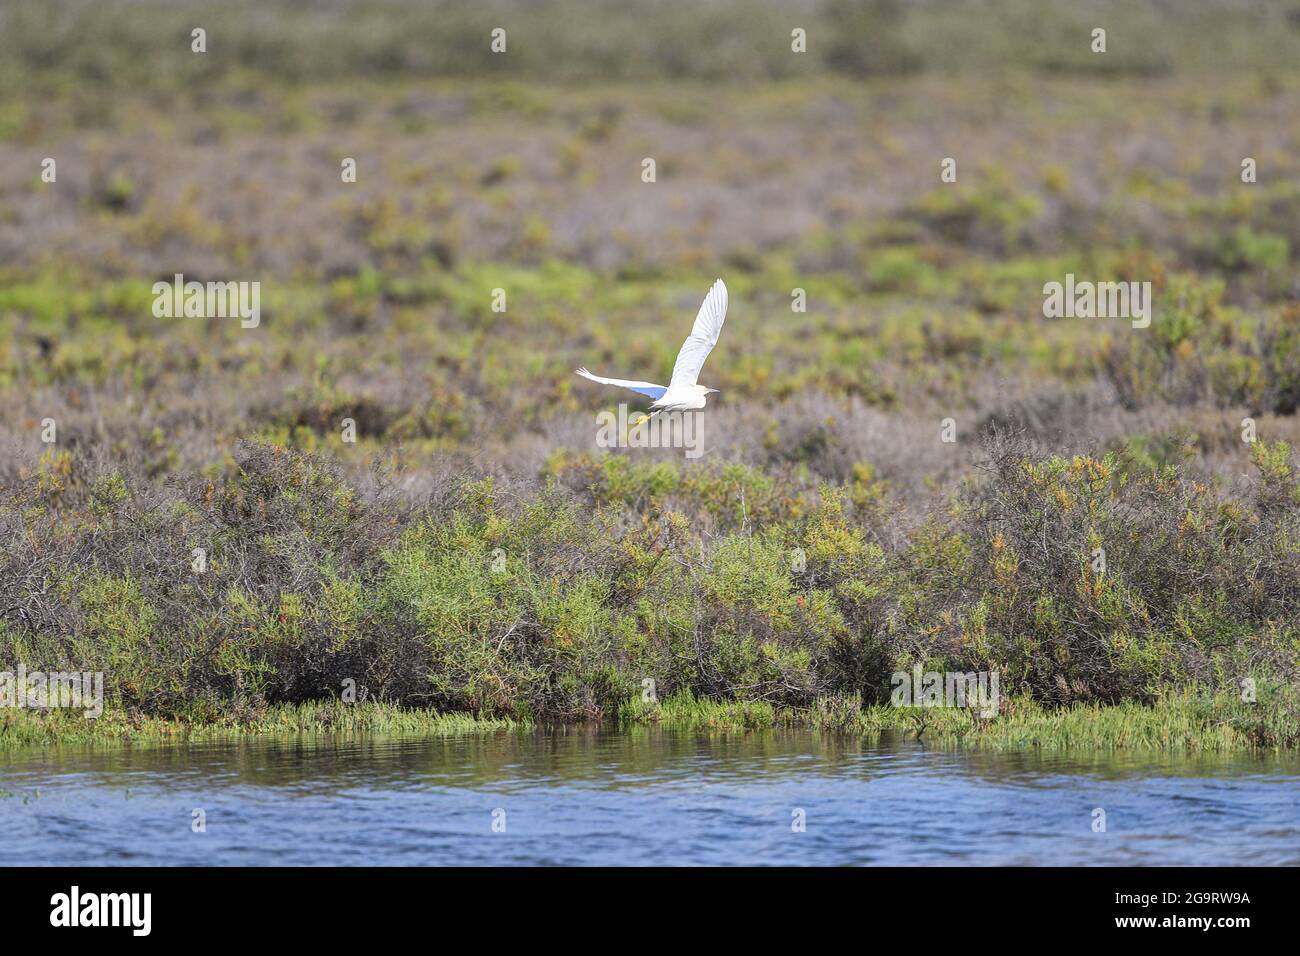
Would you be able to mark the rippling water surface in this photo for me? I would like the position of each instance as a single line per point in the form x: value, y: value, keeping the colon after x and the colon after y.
x: 638, y: 797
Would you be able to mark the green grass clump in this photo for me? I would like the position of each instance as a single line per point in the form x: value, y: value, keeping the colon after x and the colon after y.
x: 1186, y: 720
x: 1182, y: 721
x: 684, y: 711
x: 28, y: 728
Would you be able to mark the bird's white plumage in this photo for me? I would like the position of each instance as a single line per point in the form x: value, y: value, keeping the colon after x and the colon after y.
x: 645, y: 388
x: 704, y: 335
x: 683, y: 392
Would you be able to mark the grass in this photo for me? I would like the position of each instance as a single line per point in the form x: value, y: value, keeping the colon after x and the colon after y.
x: 29, y: 728
x: 1183, y: 721
x: 1179, y: 722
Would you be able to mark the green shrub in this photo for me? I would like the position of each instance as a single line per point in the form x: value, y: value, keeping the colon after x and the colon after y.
x: 1075, y: 578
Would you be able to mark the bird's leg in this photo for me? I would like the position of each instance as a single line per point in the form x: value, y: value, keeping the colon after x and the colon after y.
x: 645, y: 418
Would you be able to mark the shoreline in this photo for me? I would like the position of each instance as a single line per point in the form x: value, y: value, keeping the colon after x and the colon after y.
x: 1177, y: 722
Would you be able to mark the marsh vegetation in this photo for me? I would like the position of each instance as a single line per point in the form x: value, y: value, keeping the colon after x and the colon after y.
x: 472, y: 551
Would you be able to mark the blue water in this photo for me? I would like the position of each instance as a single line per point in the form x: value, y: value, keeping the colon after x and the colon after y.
x: 638, y: 797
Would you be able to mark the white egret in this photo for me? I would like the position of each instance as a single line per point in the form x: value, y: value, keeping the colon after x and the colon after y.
x: 683, y: 392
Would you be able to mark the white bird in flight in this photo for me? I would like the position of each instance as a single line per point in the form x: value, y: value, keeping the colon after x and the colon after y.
x: 683, y: 392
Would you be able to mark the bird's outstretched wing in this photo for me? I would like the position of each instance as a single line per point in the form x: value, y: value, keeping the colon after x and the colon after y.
x: 704, y: 335
x: 645, y: 388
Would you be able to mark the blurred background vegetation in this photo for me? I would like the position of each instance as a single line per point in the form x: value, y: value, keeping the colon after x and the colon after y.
x: 116, y: 45
x: 776, y: 170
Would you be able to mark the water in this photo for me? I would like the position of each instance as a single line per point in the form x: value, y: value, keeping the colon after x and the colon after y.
x: 641, y: 797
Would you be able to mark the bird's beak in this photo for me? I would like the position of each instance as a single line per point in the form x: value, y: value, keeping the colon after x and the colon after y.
x: 712, y: 391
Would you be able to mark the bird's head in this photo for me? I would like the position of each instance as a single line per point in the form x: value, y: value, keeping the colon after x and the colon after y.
x: 701, y: 395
